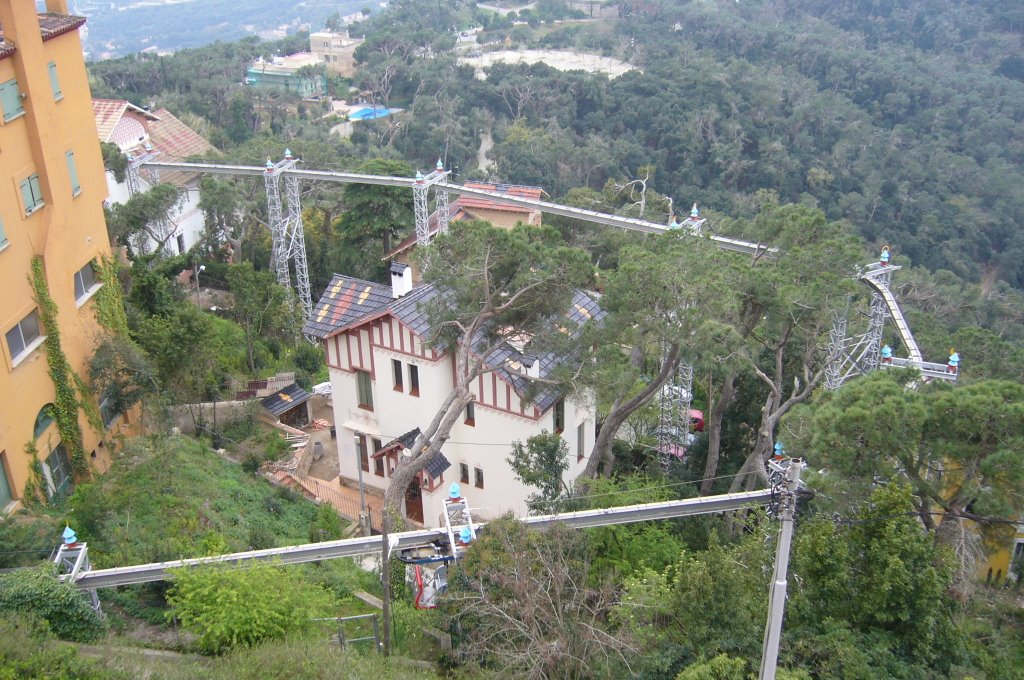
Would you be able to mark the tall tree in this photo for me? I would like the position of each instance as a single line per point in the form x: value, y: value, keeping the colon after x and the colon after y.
x: 787, y: 303
x: 491, y: 286
x: 377, y: 214
x: 958, y: 449
x: 658, y: 299
x: 261, y: 306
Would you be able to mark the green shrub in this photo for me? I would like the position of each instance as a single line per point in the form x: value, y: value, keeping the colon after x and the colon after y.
x: 38, y: 591
x: 228, y: 607
x: 326, y: 524
x: 27, y: 651
x: 27, y: 539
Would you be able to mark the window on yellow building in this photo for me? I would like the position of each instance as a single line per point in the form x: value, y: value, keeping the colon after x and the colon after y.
x: 10, y: 100
x: 85, y: 281
x: 31, y: 193
x: 54, y: 82
x: 3, y: 236
x: 23, y: 338
x: 76, y: 186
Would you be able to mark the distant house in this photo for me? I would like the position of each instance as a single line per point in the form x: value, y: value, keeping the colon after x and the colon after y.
x: 386, y: 382
x: 499, y: 214
x: 336, y: 50
x: 137, y: 131
x: 283, y: 73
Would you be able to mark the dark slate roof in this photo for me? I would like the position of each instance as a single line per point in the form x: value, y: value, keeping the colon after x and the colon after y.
x: 346, y: 300
x: 584, y: 308
x: 437, y: 465
x: 285, y: 400
x: 397, y: 267
x: 404, y: 441
x: 411, y: 310
x: 50, y: 26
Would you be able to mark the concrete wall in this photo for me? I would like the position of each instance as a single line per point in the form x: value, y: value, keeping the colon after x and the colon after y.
x: 185, y: 416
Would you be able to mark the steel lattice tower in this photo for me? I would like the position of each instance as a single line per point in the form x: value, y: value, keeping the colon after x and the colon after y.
x: 674, y: 412
x: 297, y: 242
x: 419, y: 202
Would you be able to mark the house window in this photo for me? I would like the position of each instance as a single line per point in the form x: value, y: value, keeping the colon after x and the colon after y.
x: 5, y: 484
x: 43, y: 420
x: 364, y: 390
x: 470, y: 414
x: 180, y: 238
x: 364, y: 455
x: 31, y: 193
x: 76, y: 186
x: 85, y: 281
x: 581, y: 434
x: 107, y: 412
x: 396, y: 368
x: 559, y: 416
x: 414, y: 380
x: 478, y: 478
x: 59, y: 466
x: 10, y: 100
x: 378, y: 466
x: 3, y: 236
x: 463, y: 473
x: 54, y: 81
x: 21, y: 338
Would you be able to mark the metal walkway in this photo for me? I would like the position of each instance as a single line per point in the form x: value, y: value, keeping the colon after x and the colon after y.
x: 310, y: 552
x: 592, y: 216
x: 860, y: 354
x: 876, y: 278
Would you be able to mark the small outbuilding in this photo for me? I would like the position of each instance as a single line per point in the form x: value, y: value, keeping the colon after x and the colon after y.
x: 289, y: 406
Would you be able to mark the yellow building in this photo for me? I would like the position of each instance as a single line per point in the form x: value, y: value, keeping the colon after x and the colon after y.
x: 52, y: 188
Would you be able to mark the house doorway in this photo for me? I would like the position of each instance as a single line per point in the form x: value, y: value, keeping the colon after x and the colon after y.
x: 414, y: 501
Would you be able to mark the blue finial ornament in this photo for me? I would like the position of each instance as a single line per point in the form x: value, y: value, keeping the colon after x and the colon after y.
x: 694, y: 212
x: 780, y: 450
x: 270, y: 164
x: 465, y: 535
x: 419, y: 176
x: 454, y: 491
x: 69, y: 536
x: 287, y: 153
x: 440, y: 165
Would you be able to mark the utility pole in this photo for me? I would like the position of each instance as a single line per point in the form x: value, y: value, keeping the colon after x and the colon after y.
x: 784, y: 476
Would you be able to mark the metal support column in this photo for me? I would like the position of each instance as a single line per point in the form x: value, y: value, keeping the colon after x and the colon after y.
x: 785, y: 479
x: 674, y: 413
x: 443, y: 214
x: 297, y: 242
x: 278, y: 225
x: 837, y: 350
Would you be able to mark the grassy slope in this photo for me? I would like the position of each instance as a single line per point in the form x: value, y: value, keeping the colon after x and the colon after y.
x: 168, y: 498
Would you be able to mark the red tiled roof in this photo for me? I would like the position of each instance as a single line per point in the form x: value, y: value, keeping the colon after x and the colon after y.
x: 460, y: 208
x: 173, y: 139
x: 470, y: 202
x: 50, y: 26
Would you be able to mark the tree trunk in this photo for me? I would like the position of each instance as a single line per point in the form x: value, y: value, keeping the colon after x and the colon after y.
x: 713, y: 425
x: 601, y: 456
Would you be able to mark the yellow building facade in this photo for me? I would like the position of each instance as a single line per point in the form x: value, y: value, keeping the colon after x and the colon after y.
x: 52, y: 188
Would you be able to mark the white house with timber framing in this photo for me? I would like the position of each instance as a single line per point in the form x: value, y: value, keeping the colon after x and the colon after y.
x: 387, y: 383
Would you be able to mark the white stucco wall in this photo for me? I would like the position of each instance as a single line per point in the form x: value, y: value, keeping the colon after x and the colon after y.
x: 485, y: 445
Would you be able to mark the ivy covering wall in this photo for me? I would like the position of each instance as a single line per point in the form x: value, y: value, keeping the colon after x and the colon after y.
x: 65, y: 405
x: 109, y: 303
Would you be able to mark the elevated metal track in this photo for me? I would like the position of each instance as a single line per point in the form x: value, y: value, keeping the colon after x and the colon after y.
x: 592, y: 216
x: 311, y: 552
